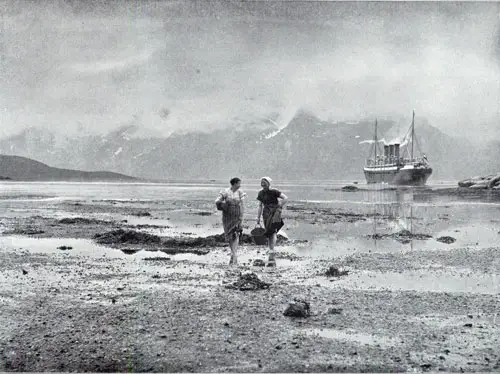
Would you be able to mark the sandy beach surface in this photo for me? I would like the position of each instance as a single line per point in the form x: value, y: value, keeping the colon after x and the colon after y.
x: 121, y: 278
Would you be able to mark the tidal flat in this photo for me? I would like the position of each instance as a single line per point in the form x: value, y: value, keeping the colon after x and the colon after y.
x: 135, y: 277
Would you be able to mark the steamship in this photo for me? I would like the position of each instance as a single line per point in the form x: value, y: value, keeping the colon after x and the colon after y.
x: 397, y: 164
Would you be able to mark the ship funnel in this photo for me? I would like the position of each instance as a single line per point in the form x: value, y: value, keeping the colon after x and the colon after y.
x: 396, y: 152
x: 386, y: 152
x: 391, y: 152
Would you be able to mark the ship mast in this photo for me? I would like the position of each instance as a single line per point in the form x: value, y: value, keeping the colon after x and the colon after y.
x: 375, y: 141
x: 412, y: 133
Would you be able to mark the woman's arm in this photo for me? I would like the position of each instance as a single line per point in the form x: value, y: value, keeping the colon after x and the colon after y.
x: 219, y: 198
x: 220, y: 201
x: 259, y: 213
x: 283, y: 198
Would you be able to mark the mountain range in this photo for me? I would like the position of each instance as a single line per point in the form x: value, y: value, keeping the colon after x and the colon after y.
x: 307, y: 148
x: 19, y: 168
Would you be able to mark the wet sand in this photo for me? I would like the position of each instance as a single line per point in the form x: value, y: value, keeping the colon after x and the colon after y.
x: 145, y: 304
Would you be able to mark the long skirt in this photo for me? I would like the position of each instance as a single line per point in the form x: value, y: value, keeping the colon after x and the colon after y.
x: 272, y: 220
x: 231, y: 220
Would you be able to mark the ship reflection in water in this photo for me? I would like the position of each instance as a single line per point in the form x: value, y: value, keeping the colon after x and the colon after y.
x: 423, y: 218
x: 393, y: 217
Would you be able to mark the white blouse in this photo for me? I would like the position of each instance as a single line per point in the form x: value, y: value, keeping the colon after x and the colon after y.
x: 229, y: 194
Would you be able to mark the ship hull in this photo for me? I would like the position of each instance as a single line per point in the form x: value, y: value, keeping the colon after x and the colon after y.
x: 398, y: 176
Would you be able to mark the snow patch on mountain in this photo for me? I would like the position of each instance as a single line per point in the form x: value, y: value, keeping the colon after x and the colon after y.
x: 272, y: 134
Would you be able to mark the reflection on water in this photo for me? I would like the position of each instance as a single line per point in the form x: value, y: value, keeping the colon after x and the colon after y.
x: 471, y: 218
x: 401, y: 220
x: 393, y: 214
x: 410, y: 213
x: 78, y: 247
x: 395, y: 206
x: 328, y: 222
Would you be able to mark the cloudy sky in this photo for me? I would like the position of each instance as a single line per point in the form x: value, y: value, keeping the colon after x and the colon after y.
x: 94, y: 65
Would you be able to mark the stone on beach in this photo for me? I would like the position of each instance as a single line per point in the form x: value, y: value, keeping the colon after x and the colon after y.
x: 334, y: 271
x: 258, y: 262
x: 248, y: 281
x: 130, y: 251
x: 350, y: 188
x: 298, y: 308
x: 446, y: 239
x: 335, y: 311
x: 142, y: 214
x: 64, y: 247
x: 404, y: 236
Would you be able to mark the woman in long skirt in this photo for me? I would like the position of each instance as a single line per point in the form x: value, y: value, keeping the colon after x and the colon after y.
x: 271, y: 203
x: 230, y: 201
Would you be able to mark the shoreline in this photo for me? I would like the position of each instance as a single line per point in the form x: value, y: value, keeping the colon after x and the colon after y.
x: 147, y: 311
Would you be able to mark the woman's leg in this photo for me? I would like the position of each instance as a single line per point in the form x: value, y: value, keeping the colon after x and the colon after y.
x: 233, y: 245
x: 272, y: 254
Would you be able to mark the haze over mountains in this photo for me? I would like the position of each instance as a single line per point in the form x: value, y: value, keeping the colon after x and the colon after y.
x: 307, y: 148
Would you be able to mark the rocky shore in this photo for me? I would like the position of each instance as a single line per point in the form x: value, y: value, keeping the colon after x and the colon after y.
x: 491, y: 181
x: 170, y: 303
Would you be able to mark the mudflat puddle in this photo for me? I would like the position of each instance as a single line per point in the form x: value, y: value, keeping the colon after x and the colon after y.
x: 245, y: 258
x: 351, y: 336
x: 475, y: 235
x: 85, y: 247
x: 79, y: 247
x: 443, y: 280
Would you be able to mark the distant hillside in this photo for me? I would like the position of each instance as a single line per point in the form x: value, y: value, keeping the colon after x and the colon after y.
x: 25, y: 169
x: 307, y: 148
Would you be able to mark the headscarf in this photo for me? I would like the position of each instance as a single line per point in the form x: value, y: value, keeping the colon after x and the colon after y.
x: 267, y: 179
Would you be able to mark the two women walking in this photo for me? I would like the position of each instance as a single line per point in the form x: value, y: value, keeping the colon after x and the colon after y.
x: 230, y: 202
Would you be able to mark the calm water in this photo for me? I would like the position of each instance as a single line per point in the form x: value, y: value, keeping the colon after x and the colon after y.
x: 470, y: 219
x: 473, y: 221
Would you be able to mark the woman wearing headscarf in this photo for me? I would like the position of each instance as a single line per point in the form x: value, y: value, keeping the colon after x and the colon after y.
x: 271, y: 203
x: 230, y: 201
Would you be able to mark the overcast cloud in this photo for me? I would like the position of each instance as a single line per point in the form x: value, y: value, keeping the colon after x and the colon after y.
x: 209, y: 64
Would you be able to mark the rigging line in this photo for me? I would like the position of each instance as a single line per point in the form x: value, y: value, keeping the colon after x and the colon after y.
x: 418, y: 146
x: 371, y: 151
x: 408, y: 132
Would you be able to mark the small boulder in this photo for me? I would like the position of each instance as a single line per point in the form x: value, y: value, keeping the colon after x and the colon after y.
x: 248, y: 281
x: 479, y: 186
x: 493, y: 182
x: 298, y: 308
x: 141, y: 214
x: 64, y: 248
x: 335, y: 311
x: 334, y: 271
x: 466, y: 183
x: 446, y: 239
x: 350, y: 188
x: 258, y: 262
x: 130, y: 251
